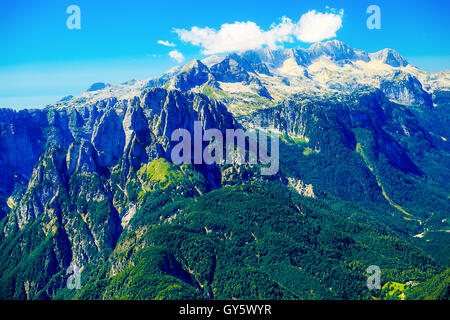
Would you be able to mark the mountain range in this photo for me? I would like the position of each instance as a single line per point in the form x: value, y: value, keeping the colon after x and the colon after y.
x: 364, y: 180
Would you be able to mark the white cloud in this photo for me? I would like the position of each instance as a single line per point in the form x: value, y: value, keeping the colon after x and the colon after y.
x: 316, y: 26
x: 176, y: 55
x: 239, y: 36
x: 166, y: 43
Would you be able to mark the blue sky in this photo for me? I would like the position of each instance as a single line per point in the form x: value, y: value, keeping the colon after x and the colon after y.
x: 41, y: 60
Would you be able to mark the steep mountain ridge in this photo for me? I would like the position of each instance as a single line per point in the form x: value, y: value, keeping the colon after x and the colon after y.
x: 110, y: 129
x: 324, y: 69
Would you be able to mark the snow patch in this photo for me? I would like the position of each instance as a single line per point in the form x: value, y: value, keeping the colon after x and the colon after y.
x: 290, y: 67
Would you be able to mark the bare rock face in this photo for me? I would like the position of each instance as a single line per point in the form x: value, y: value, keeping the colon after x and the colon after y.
x: 407, y: 90
x: 233, y: 69
x: 302, y: 188
x: 46, y: 180
x: 20, y: 146
x: 192, y: 75
x: 108, y: 138
x: 80, y: 157
x: 337, y: 51
x: 389, y: 57
x: 138, y: 137
x: 109, y: 129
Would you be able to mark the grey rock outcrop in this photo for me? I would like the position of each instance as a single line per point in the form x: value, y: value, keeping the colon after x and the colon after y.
x: 93, y: 138
x: 192, y: 75
x: 390, y: 57
x: 406, y: 89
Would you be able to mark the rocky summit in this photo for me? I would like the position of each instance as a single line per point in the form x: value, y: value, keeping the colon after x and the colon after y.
x: 364, y: 180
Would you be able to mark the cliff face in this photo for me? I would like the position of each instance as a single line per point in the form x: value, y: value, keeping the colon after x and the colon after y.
x: 406, y: 89
x: 107, y: 130
x: 56, y: 168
